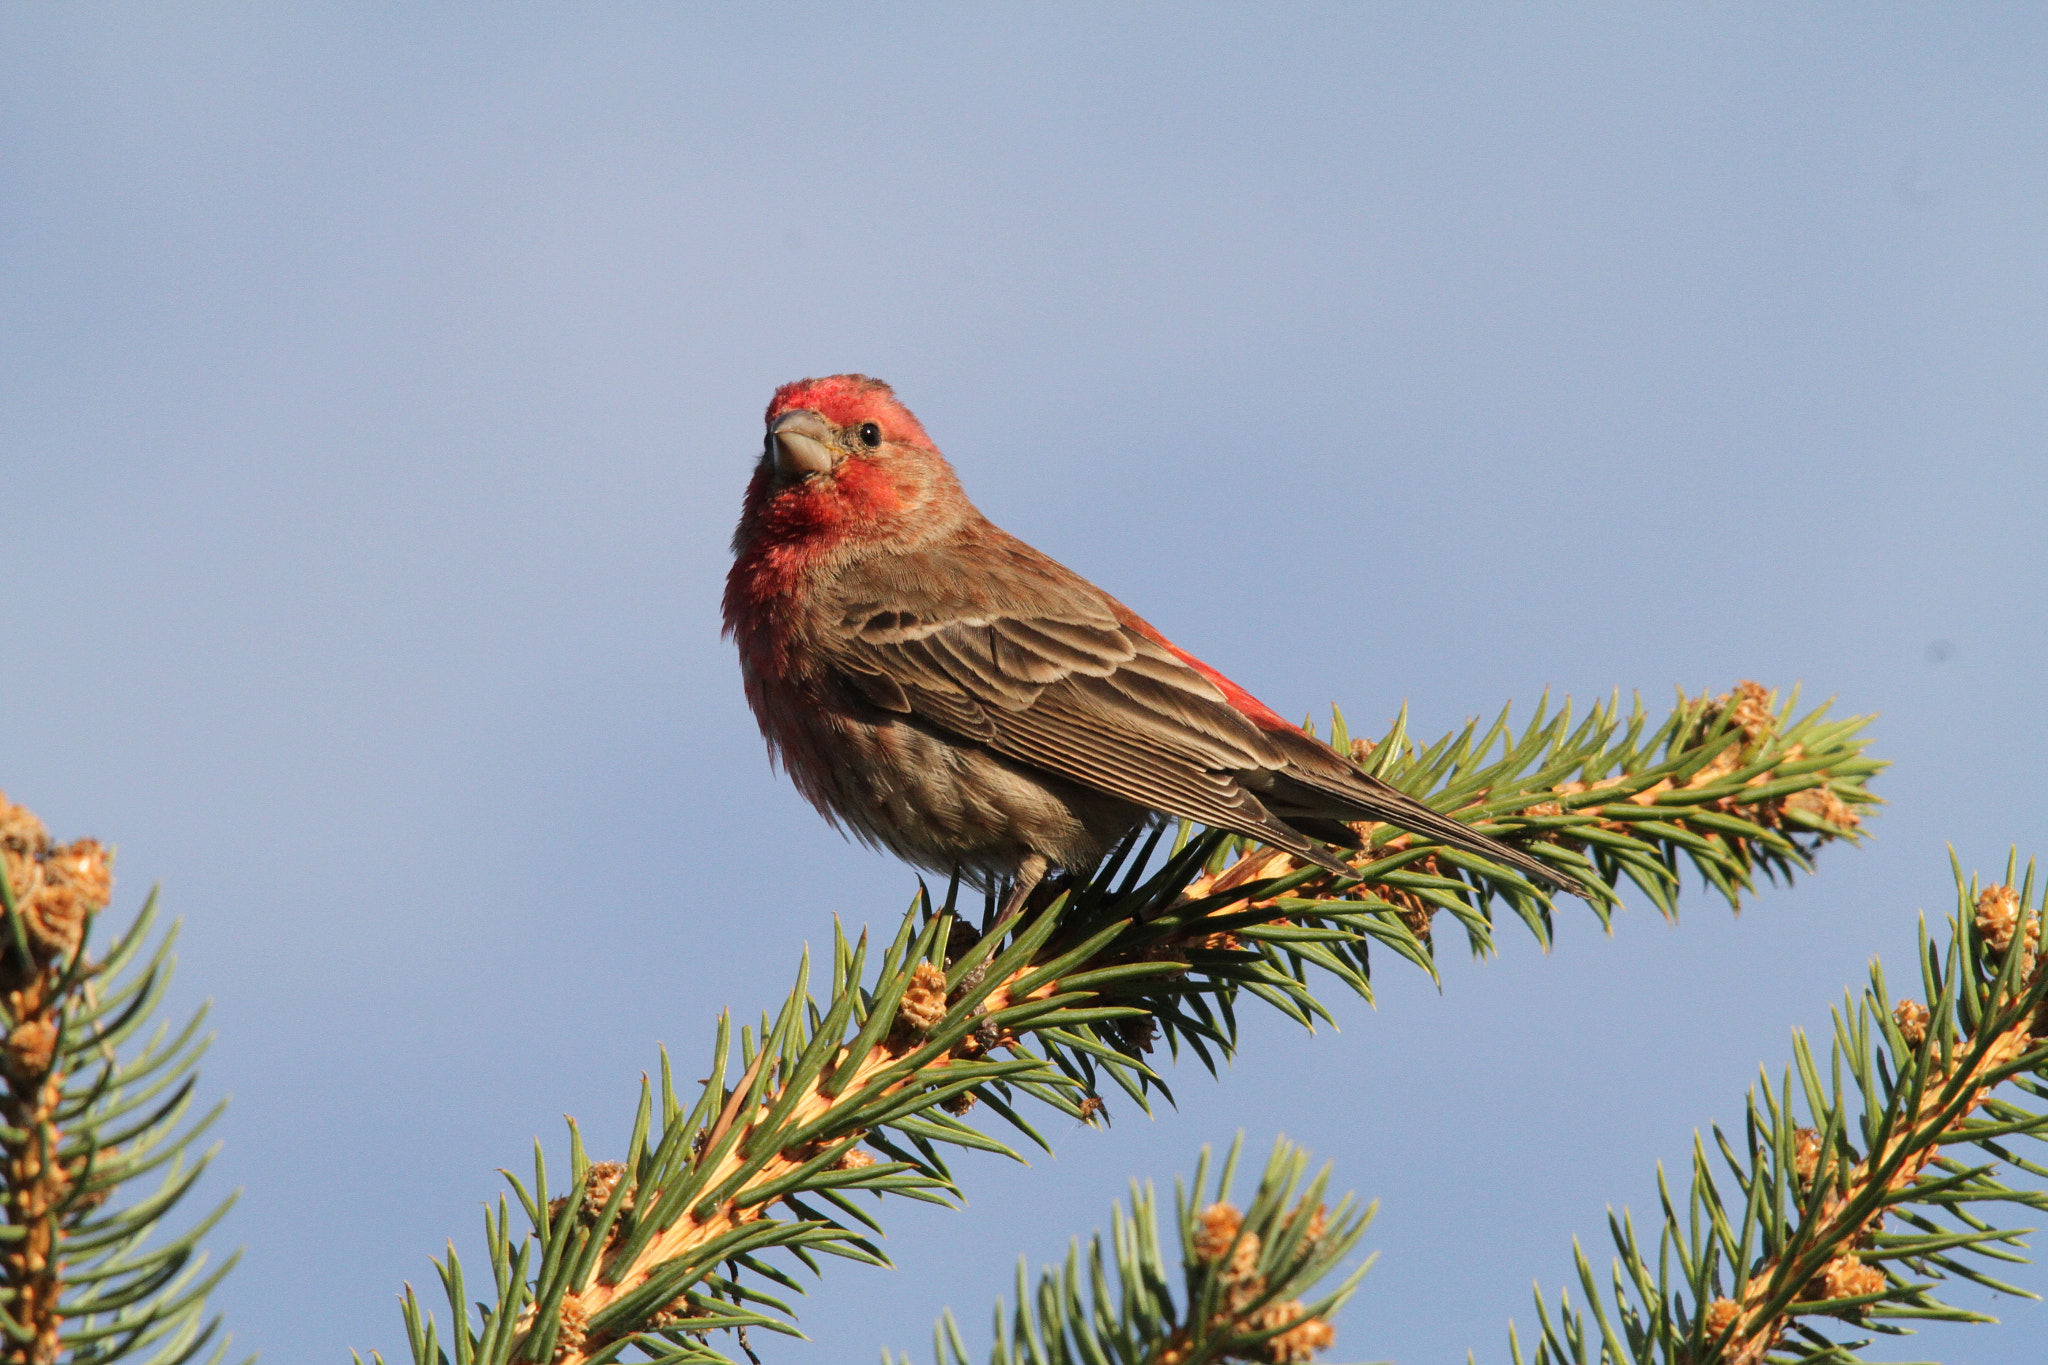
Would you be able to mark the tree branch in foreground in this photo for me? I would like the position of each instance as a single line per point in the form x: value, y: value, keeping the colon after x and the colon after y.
x: 1848, y: 1220
x: 1246, y: 1280
x: 654, y: 1253
x: 1845, y: 1221
x: 91, y: 1103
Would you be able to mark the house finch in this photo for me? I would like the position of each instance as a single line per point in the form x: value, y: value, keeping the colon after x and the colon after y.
x: 942, y: 689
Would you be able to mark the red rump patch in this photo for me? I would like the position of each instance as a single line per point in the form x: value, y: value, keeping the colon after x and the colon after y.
x: 849, y: 399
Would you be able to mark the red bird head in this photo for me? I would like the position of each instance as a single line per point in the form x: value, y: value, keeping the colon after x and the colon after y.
x: 844, y: 465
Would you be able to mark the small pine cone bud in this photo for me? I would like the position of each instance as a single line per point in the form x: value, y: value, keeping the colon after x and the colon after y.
x: 574, y: 1331
x: 924, y: 1000
x: 1751, y: 712
x: 1137, y: 1033
x: 1216, y: 1229
x: 958, y: 1104
x: 1805, y: 1154
x: 1298, y: 1343
x: 1911, y: 1016
x: 78, y: 881
x: 598, y: 1183
x: 1998, y: 912
x: 1244, y: 1262
x: 1846, y: 1277
x: 853, y: 1159
x: 30, y: 1046
x: 1822, y: 804
x: 20, y: 830
x: 1721, y: 1315
x: 1417, y: 917
x: 23, y: 843
x: 87, y: 868
x: 1220, y: 1231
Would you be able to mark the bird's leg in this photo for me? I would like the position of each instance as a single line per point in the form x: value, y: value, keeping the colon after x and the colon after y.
x: 1030, y: 872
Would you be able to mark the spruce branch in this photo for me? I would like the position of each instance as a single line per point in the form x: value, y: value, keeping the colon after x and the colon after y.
x: 93, y: 1105
x: 1247, y: 1279
x: 1845, y: 1219
x: 654, y: 1252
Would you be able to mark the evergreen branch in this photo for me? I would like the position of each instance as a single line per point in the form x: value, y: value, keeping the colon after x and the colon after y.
x: 1734, y: 783
x: 1077, y: 992
x: 1853, y: 1216
x: 84, y: 1114
x: 1246, y: 1279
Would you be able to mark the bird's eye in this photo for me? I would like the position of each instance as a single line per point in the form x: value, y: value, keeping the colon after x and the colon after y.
x: 870, y: 435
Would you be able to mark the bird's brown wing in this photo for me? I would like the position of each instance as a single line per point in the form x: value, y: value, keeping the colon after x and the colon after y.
x: 1086, y: 699
x: 1043, y: 669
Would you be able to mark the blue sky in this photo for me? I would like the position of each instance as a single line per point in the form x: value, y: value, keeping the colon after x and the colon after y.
x: 378, y: 382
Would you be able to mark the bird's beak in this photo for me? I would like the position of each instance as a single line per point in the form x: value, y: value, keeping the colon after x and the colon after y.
x: 802, y: 443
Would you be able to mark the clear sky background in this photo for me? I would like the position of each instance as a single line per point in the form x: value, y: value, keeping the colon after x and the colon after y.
x: 378, y: 384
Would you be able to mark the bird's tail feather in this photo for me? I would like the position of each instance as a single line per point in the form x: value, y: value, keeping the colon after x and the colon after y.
x: 1293, y: 823
x: 1411, y: 815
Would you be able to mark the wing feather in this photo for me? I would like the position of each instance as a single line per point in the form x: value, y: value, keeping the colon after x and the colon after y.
x: 1044, y: 650
x: 1108, y: 709
x: 1021, y: 656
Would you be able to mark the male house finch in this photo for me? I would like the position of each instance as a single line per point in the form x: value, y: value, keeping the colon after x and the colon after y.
x: 945, y: 691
